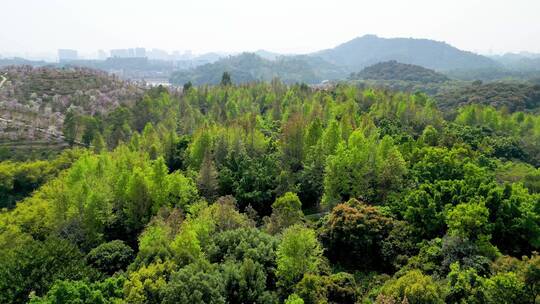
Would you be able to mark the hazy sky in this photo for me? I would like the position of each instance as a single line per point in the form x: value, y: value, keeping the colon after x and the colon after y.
x: 295, y: 26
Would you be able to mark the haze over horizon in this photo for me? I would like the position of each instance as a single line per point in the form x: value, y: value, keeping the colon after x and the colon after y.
x: 33, y: 26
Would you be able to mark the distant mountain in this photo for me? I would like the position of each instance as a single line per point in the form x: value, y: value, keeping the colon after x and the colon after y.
x: 267, y: 54
x: 248, y: 67
x: 370, y: 49
x: 21, y: 61
x: 520, y: 61
x: 209, y: 57
x: 393, y: 70
x: 494, y: 74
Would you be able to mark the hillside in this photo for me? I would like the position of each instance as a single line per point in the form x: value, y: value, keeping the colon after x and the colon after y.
x: 519, y: 61
x: 21, y: 61
x: 494, y: 74
x: 249, y: 67
x: 393, y: 70
x: 514, y: 96
x: 451, y: 94
x: 364, y: 51
x: 34, y: 103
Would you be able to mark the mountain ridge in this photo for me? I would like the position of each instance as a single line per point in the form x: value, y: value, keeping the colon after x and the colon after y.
x: 370, y: 49
x: 336, y: 63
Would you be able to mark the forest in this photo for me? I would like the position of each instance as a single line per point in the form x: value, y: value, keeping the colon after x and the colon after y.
x: 393, y: 70
x: 250, y: 67
x: 270, y: 192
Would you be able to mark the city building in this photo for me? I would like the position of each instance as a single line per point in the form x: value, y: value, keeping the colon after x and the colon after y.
x: 120, y: 53
x: 67, y: 55
x: 102, y: 55
x: 140, y: 52
x: 129, y: 53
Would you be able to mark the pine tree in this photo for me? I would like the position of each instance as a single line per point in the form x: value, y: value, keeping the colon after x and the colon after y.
x: 226, y: 79
x: 207, y: 180
x: 98, y: 144
x: 331, y: 137
x: 70, y: 127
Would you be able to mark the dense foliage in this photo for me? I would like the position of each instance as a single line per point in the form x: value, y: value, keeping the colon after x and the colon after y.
x: 249, y: 67
x: 269, y: 193
x: 393, y: 70
x: 515, y: 96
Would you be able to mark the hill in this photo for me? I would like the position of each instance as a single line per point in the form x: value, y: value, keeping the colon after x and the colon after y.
x: 514, y: 96
x: 393, y: 70
x: 494, y: 74
x: 249, y: 67
x: 268, y: 55
x: 34, y: 103
x: 21, y: 61
x: 451, y: 94
x: 524, y: 62
x: 370, y: 49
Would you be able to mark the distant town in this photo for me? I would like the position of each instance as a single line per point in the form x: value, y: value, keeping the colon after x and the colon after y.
x: 153, y: 66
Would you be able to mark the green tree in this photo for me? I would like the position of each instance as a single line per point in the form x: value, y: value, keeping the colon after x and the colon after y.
x: 188, y: 85
x: 207, y: 180
x: 331, y: 137
x: 138, y: 208
x: 336, y: 288
x: 199, y: 148
x: 469, y: 220
x: 430, y: 136
x: 313, y: 134
x: 33, y: 266
x: 505, y: 288
x: 244, y: 243
x: 110, y: 257
x: 361, y: 229
x: 294, y: 299
x: 108, y: 291
x: 194, y: 284
x: 465, y: 286
x: 245, y: 282
x: 531, y: 276
x: 226, y: 79
x: 366, y: 168
x: 71, y: 126
x: 286, y: 211
x: 298, y: 253
x: 292, y: 142
x: 91, y: 128
x: 148, y: 283
x: 311, y: 179
x: 98, y: 143
x: 415, y: 287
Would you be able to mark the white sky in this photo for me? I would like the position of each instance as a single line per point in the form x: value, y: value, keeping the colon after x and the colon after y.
x: 288, y: 26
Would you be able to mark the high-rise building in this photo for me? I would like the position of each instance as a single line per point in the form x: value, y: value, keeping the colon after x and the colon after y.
x: 102, y: 55
x: 158, y: 54
x: 140, y: 52
x: 120, y: 53
x: 129, y: 53
x: 67, y: 55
